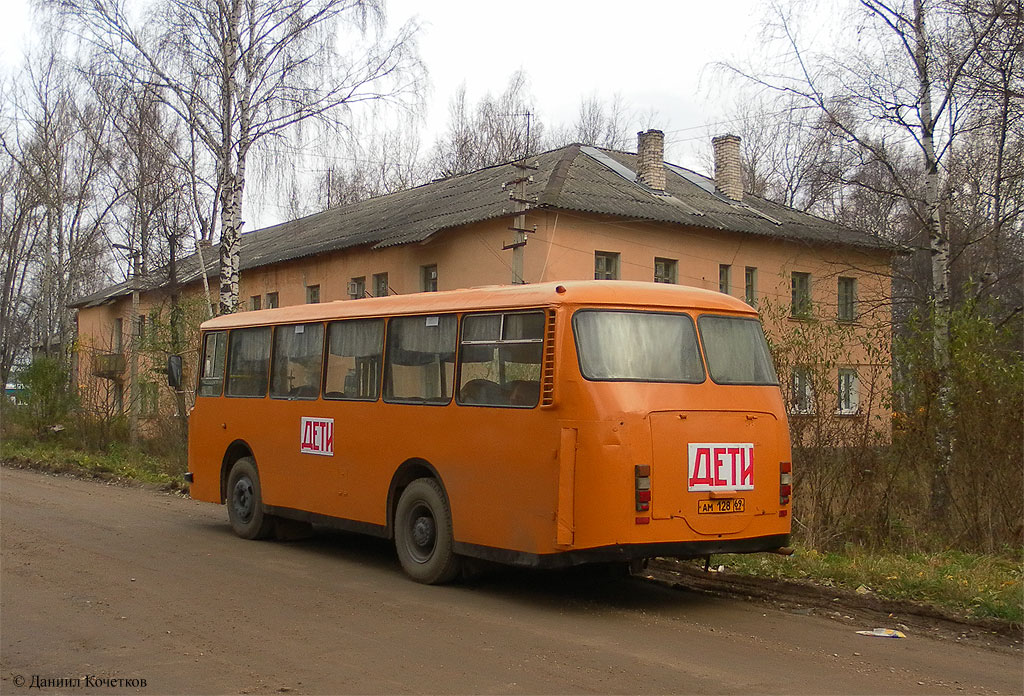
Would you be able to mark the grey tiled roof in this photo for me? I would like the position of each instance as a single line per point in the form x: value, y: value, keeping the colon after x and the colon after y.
x: 574, y: 178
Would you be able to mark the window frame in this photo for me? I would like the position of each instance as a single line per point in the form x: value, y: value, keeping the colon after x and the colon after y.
x: 707, y: 362
x: 807, y: 373
x: 327, y: 353
x: 750, y: 285
x: 851, y: 301
x: 670, y: 276
x: 313, y: 294
x: 202, y: 364
x: 255, y: 303
x: 388, y: 334
x: 801, y: 305
x: 500, y: 342
x: 725, y: 278
x: 612, y: 257
x: 359, y: 282
x: 227, y: 363
x: 377, y: 278
x: 428, y: 282
x: 272, y: 300
x: 579, y: 355
x: 854, y: 391
x: 273, y: 358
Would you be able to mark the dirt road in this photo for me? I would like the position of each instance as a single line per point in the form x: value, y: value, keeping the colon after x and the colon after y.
x: 128, y: 583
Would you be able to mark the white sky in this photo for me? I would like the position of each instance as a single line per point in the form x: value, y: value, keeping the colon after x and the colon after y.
x: 657, y: 54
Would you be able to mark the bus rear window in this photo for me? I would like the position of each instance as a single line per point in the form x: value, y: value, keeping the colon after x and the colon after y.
x: 637, y: 346
x: 736, y: 350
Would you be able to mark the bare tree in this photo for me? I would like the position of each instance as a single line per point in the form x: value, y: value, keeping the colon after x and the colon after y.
x: 59, y: 167
x: 496, y: 130
x: 242, y: 72
x: 603, y: 124
x: 384, y: 162
x: 905, y: 84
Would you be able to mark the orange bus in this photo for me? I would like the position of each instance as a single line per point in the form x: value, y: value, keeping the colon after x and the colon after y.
x: 540, y: 425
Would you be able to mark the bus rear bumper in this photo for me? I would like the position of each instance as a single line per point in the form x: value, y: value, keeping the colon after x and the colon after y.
x: 626, y: 552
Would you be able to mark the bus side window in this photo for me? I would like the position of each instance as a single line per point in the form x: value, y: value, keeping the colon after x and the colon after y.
x: 212, y: 380
x: 355, y: 351
x: 248, y: 362
x: 298, y: 356
x: 419, y: 366
x: 500, y: 359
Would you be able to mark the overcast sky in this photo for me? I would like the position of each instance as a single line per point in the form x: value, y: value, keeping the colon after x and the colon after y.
x: 656, y: 54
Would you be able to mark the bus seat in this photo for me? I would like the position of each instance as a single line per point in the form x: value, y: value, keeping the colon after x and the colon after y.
x: 524, y: 392
x: 482, y: 391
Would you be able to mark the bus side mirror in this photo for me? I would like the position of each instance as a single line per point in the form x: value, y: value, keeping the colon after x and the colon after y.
x: 174, y: 371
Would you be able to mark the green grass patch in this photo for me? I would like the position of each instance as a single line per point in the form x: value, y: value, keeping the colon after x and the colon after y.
x: 975, y: 585
x: 119, y: 461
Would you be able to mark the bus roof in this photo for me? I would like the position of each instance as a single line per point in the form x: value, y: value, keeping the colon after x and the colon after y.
x: 632, y: 294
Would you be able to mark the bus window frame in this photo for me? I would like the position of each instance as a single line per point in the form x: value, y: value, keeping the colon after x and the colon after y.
x: 696, y: 334
x: 387, y: 354
x: 202, y: 365
x: 383, y: 354
x: 703, y: 348
x: 524, y: 341
x: 273, y: 354
x: 227, y: 362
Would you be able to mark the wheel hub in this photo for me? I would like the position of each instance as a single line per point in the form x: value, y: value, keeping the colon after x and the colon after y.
x: 423, y: 531
x: 241, y: 499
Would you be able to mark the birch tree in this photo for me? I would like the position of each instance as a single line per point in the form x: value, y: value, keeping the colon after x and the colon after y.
x: 904, y: 86
x: 240, y: 73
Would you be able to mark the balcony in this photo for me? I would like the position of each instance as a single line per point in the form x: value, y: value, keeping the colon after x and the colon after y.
x: 108, y: 365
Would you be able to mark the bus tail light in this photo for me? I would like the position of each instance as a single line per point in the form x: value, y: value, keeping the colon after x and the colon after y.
x: 785, y: 483
x: 642, y: 478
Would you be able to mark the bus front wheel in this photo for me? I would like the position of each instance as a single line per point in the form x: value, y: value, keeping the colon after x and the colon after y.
x: 245, y: 501
x: 423, y: 533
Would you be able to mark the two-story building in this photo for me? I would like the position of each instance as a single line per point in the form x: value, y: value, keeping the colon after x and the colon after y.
x: 590, y: 213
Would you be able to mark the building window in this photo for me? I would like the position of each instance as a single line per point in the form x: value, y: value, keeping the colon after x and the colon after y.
x: 750, y: 286
x: 802, y: 392
x: 666, y: 270
x: 606, y: 265
x: 380, y: 285
x: 150, y: 399
x: 848, y: 391
x: 357, y: 288
x: 255, y: 302
x: 724, y: 278
x: 430, y: 278
x: 271, y: 300
x: 847, y: 299
x: 118, y: 335
x: 801, y: 303
x: 312, y: 294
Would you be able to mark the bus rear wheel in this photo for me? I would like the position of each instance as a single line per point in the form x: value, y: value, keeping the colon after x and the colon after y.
x: 423, y: 533
x: 245, y: 501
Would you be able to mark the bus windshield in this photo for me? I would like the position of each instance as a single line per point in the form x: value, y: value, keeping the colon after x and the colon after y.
x: 637, y: 346
x: 736, y: 350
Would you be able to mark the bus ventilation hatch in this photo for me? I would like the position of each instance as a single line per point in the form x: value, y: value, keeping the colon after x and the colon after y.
x: 548, y: 378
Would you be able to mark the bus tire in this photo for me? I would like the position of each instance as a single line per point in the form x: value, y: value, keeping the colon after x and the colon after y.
x: 423, y: 533
x: 245, y: 502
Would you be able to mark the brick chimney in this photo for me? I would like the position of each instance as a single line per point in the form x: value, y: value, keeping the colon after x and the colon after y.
x: 728, y: 173
x: 650, y: 163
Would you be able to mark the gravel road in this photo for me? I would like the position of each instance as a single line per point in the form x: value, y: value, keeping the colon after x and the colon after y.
x: 126, y: 583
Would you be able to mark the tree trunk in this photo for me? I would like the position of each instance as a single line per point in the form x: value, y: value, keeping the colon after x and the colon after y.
x: 939, y: 246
